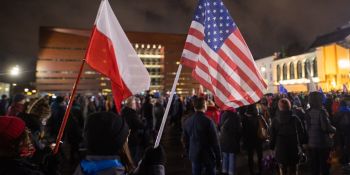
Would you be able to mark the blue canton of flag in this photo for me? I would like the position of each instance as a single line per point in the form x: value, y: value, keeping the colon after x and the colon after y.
x: 214, y: 16
x: 282, y: 89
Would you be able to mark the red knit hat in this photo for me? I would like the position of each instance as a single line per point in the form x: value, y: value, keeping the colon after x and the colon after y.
x: 11, y: 128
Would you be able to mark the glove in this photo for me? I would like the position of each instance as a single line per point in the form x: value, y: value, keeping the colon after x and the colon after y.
x: 154, y: 156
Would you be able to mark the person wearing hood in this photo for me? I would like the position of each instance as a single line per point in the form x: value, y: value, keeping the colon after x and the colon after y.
x: 230, y: 128
x: 17, y: 105
x: 14, y: 142
x: 286, y: 129
x: 107, y: 150
x: 320, y: 132
x: 342, y: 122
x: 251, y: 141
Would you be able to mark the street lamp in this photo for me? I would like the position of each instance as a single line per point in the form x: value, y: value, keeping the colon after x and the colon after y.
x: 15, y: 71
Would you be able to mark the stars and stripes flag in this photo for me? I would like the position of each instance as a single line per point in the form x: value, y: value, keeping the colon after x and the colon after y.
x: 220, y: 58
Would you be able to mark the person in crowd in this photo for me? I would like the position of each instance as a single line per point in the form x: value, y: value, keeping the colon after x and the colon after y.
x: 58, y: 109
x: 158, y: 112
x: 342, y: 123
x: 135, y: 125
x: 230, y: 129
x: 17, y: 105
x: 107, y: 150
x: 147, y: 113
x: 328, y: 103
x: 91, y: 107
x: 14, y: 142
x: 252, y: 143
x: 177, y: 112
x: 4, y: 103
x: 320, y: 132
x: 201, y: 141
x: 213, y: 112
x: 335, y: 106
x: 286, y: 131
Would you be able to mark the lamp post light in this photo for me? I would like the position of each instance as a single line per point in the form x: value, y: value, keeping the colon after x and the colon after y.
x: 15, y: 71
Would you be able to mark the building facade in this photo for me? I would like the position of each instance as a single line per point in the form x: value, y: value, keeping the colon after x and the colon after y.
x: 265, y: 67
x: 62, y: 51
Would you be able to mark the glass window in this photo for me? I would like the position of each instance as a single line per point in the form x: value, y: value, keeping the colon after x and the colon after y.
x: 307, y: 68
x: 299, y: 70
x: 314, y: 66
x: 285, y: 71
x: 278, y: 73
x: 291, y: 70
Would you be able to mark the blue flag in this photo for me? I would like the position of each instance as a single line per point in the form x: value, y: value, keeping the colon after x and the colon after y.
x: 323, y: 96
x: 282, y: 89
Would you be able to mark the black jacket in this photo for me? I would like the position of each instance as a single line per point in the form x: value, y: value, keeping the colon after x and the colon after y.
x: 284, y: 131
x: 230, y: 127
x: 250, y: 123
x: 134, y: 122
x: 18, y: 167
x: 200, y: 139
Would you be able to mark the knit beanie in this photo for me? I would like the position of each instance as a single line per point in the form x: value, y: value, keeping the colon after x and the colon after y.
x: 106, y: 133
x: 11, y: 128
x: 284, y: 104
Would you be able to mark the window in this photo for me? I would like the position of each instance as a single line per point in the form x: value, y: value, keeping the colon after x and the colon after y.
x: 291, y: 70
x: 285, y: 71
x: 278, y: 73
x: 314, y: 66
x: 299, y: 70
x: 307, y: 68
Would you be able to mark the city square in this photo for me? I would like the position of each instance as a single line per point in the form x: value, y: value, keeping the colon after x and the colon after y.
x: 175, y: 87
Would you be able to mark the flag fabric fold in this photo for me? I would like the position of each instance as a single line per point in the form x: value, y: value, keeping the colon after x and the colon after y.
x: 110, y: 53
x: 220, y: 58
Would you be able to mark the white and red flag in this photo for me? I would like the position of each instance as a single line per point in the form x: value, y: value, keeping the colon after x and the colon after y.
x: 111, y: 53
x: 220, y: 58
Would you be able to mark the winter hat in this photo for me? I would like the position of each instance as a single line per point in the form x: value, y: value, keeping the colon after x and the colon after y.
x: 284, y: 104
x: 18, y: 98
x: 11, y: 128
x: 106, y: 133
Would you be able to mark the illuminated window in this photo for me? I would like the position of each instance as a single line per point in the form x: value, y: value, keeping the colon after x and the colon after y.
x: 278, y: 69
x: 314, y: 66
x: 285, y: 71
x: 307, y: 68
x: 299, y: 70
x: 291, y: 70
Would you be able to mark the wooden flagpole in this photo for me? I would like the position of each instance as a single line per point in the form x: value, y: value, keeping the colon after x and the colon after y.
x: 160, y: 132
x: 66, y: 115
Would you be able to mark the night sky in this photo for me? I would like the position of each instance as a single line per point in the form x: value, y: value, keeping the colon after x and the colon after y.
x: 267, y: 25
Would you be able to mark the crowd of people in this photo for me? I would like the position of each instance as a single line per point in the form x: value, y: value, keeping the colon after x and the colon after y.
x: 284, y: 131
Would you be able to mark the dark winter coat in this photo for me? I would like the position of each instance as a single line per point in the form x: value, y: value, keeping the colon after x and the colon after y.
x: 158, y: 112
x: 342, y: 122
x: 230, y: 127
x: 200, y: 139
x: 284, y: 139
x: 54, y: 122
x: 250, y: 124
x: 18, y: 167
x: 135, y: 124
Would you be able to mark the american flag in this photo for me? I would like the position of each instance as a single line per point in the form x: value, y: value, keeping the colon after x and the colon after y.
x: 220, y: 58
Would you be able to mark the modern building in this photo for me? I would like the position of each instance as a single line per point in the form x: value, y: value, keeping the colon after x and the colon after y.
x: 62, y: 51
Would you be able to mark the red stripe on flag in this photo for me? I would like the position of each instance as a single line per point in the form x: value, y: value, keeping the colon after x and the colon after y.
x: 196, y: 33
x: 191, y: 47
x: 188, y: 62
x: 229, y: 80
x: 101, y: 57
x: 240, y: 72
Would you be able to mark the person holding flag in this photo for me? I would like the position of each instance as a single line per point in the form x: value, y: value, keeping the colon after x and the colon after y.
x: 222, y: 63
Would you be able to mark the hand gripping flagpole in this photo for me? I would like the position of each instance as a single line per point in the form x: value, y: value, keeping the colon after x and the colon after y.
x: 160, y: 132
x: 66, y: 115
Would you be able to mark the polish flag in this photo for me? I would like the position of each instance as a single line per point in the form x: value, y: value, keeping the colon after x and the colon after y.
x: 111, y: 53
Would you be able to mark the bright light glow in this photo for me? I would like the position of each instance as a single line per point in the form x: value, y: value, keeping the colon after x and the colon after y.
x: 7, y: 89
x: 263, y: 69
x: 159, y: 47
x: 150, y: 56
x: 344, y: 64
x: 177, y: 62
x: 26, y: 90
x: 54, y: 96
x: 29, y: 93
x: 14, y: 84
x: 148, y: 46
x: 15, y: 71
x: 154, y: 46
x: 142, y: 46
x: 136, y: 46
x: 334, y: 84
x: 34, y: 91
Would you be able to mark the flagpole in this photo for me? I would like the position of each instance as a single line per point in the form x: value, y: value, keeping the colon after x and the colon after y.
x: 160, y: 132
x: 66, y: 115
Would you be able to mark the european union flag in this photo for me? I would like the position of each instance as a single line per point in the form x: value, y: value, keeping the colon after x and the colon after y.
x: 282, y: 89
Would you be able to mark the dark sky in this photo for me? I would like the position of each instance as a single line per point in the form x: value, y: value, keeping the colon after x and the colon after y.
x: 267, y: 25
